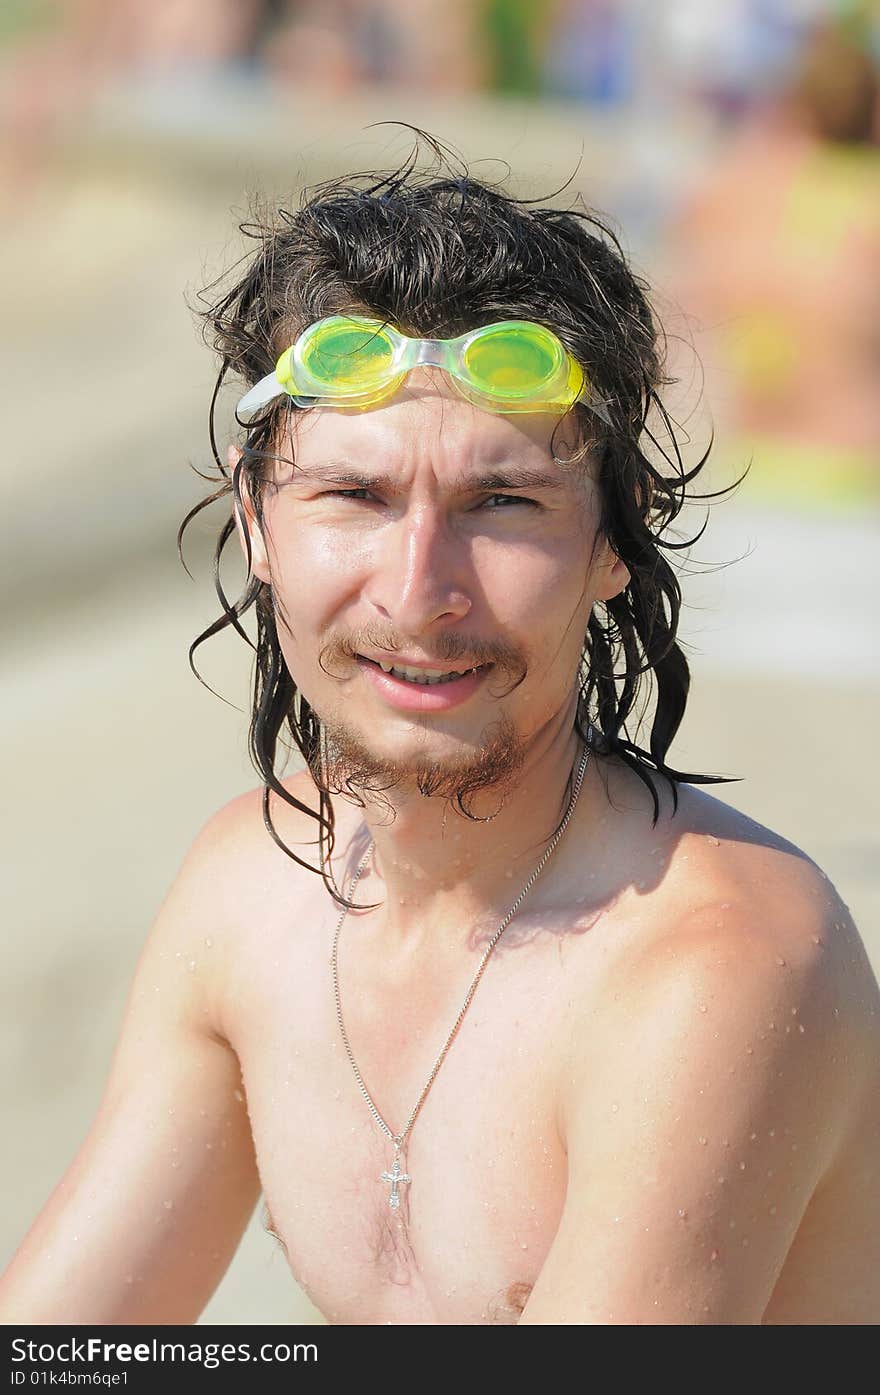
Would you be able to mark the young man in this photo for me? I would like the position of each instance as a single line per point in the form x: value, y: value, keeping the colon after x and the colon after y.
x: 548, y: 1035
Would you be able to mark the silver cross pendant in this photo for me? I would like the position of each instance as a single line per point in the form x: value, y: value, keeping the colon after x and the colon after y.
x: 396, y: 1177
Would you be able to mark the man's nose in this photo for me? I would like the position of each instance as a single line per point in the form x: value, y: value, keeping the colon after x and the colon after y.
x: 421, y: 572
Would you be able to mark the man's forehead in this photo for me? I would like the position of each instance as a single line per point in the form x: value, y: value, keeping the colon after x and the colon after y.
x: 463, y: 448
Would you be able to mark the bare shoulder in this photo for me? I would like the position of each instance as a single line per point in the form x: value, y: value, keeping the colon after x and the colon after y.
x: 294, y: 815
x: 243, y: 877
x: 773, y: 895
x: 742, y: 914
x: 718, y: 1072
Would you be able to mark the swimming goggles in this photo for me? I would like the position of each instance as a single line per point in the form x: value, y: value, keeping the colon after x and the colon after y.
x: 351, y: 360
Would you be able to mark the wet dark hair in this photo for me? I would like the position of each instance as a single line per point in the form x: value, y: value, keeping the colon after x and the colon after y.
x: 435, y: 252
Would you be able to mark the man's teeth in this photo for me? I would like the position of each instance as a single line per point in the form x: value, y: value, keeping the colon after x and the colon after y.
x: 421, y: 675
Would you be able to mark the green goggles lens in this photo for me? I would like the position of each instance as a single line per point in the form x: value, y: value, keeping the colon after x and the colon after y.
x: 348, y: 357
x: 513, y: 364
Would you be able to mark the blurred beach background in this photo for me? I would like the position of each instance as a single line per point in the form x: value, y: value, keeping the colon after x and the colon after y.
x: 735, y: 146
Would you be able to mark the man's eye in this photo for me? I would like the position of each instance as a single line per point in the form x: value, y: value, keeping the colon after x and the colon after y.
x: 512, y: 498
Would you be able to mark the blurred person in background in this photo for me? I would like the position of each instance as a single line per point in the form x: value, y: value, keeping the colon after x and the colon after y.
x: 776, y: 253
x: 340, y: 45
x: 590, y: 51
x: 58, y: 55
x: 664, y: 1105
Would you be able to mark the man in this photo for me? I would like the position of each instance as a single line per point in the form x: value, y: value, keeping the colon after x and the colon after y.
x: 547, y: 1035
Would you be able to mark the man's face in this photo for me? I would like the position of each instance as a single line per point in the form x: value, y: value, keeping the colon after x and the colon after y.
x: 400, y: 535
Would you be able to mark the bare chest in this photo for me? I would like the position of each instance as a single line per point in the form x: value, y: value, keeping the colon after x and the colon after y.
x: 486, y: 1164
x: 485, y: 1161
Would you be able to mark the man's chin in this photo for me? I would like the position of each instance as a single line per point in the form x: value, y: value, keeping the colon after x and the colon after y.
x: 438, y: 767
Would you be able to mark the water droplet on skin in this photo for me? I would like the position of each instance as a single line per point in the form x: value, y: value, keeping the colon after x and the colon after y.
x: 615, y: 1108
x: 523, y: 1245
x: 772, y: 1133
x: 713, y: 1256
x: 749, y: 1051
x: 721, y: 1181
x: 168, y: 1205
x: 175, y: 1164
x: 817, y: 939
x: 682, y: 1214
x: 772, y: 1210
x: 238, y: 1095
x: 191, y: 965
x: 801, y: 1027
x: 702, y: 1007
x: 702, y: 1142
x: 780, y: 961
x: 716, y: 842
x: 171, y: 1111
x: 742, y: 1167
x: 209, y: 941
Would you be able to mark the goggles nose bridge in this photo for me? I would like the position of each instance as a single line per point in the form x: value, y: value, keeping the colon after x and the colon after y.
x: 431, y: 352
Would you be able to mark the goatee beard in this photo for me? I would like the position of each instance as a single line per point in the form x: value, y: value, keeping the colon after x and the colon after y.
x: 343, y: 764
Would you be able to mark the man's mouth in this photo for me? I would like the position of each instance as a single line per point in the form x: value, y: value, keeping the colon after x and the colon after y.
x: 426, y: 678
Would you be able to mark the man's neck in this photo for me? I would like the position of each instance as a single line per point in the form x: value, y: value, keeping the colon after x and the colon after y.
x: 440, y: 876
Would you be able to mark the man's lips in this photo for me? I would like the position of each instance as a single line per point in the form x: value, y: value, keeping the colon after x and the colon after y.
x: 417, y: 697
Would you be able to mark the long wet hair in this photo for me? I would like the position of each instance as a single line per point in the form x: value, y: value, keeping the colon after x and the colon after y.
x: 436, y: 252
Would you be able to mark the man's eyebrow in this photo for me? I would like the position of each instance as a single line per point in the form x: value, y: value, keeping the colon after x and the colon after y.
x: 506, y: 477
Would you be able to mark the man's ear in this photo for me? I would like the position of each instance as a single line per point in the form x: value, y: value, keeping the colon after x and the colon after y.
x: 259, y: 559
x: 612, y: 575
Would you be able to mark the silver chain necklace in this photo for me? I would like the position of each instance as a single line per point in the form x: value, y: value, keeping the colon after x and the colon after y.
x: 397, y: 1176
